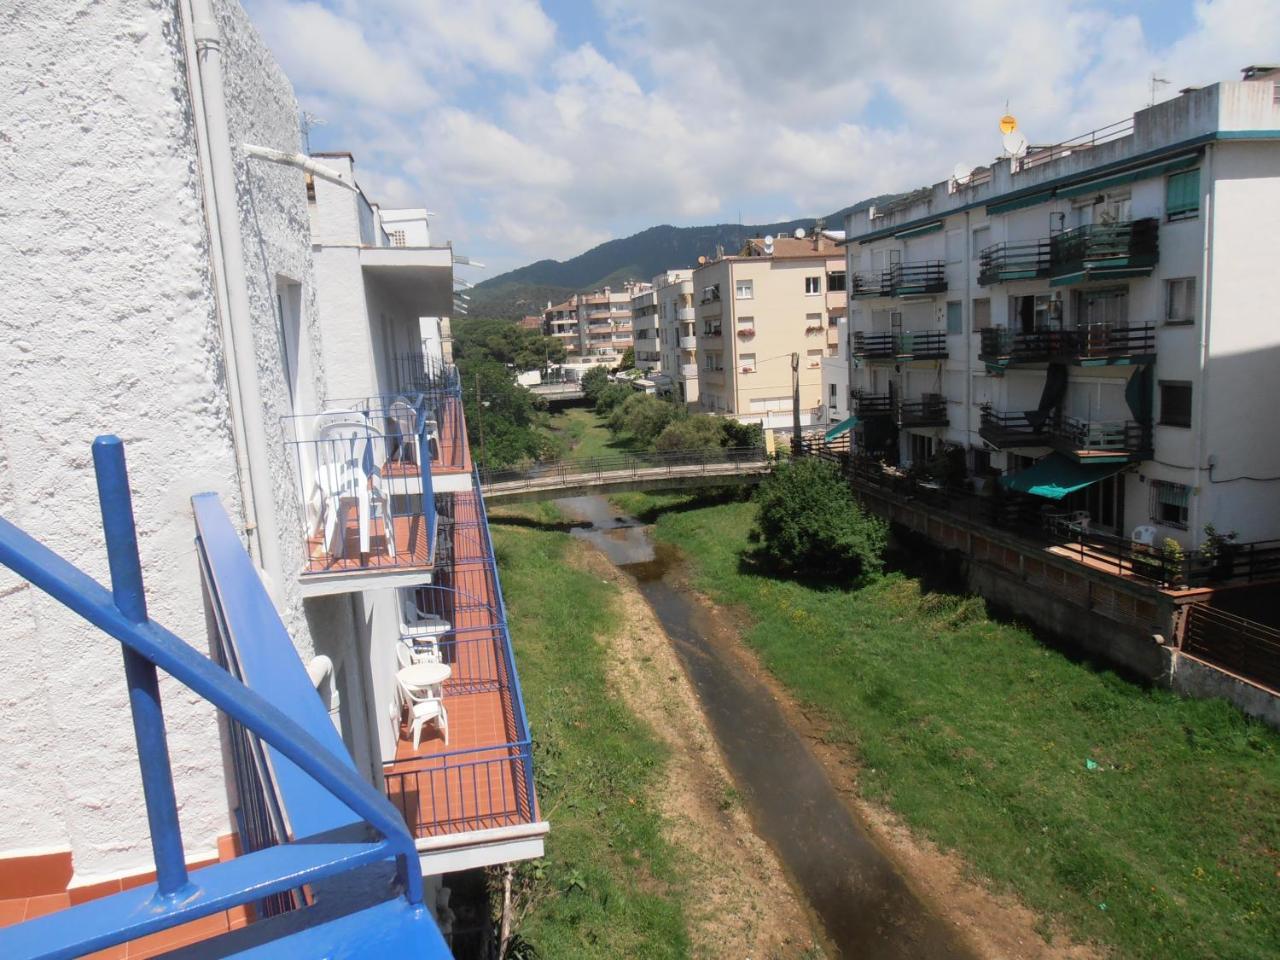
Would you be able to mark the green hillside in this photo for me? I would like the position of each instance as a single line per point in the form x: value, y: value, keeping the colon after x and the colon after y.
x: 641, y: 256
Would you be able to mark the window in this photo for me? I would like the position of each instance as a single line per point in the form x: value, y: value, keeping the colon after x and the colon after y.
x: 814, y: 357
x: 1182, y: 195
x: 812, y: 286
x: 1175, y: 403
x: 981, y: 239
x: 812, y: 322
x: 955, y: 246
x: 981, y: 313
x: 711, y: 327
x: 397, y: 238
x: 1169, y: 503
x: 831, y: 396
x: 1180, y: 300
x: 746, y: 363
x: 833, y: 319
x: 836, y: 281
x: 921, y: 448
x: 742, y: 290
x: 712, y: 361
x: 955, y: 317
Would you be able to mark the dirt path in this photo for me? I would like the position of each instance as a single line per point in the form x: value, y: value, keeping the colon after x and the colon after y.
x: 997, y: 927
x: 747, y: 909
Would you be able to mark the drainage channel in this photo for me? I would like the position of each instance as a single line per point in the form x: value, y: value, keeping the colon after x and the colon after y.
x: 866, y: 907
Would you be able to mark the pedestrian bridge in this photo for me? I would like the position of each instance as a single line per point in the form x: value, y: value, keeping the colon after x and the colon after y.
x: 643, y: 471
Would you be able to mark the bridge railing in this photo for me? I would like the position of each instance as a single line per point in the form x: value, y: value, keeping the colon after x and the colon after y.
x: 676, y: 463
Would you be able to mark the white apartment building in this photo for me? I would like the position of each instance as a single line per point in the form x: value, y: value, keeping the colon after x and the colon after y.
x: 644, y: 332
x: 1093, y: 315
x: 560, y: 320
x: 604, y: 322
x: 251, y: 326
x: 775, y: 298
x: 677, y: 339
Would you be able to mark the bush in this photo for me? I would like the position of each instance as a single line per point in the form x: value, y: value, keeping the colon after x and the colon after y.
x: 741, y: 434
x: 593, y: 382
x: 698, y: 432
x: 810, y: 525
x: 643, y: 416
x: 613, y: 396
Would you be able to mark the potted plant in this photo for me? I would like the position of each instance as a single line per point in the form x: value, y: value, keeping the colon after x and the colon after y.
x: 1174, y: 561
x: 1219, y: 551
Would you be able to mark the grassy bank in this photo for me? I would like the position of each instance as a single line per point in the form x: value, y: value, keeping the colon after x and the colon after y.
x: 609, y: 885
x: 1141, y: 821
x: 585, y: 435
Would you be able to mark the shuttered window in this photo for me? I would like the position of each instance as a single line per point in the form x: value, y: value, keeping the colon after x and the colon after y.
x: 1182, y: 195
x: 1170, y: 503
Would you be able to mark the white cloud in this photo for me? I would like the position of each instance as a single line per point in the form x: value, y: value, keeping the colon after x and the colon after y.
x: 680, y: 112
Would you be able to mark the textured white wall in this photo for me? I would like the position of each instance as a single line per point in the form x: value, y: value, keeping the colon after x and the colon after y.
x: 108, y: 325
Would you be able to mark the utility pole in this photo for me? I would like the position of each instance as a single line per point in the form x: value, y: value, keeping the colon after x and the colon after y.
x: 795, y: 404
x: 484, y: 459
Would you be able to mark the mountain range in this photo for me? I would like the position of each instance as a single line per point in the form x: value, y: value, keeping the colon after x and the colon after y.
x: 640, y: 256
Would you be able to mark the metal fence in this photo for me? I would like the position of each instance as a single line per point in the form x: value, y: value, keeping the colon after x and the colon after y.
x: 1244, y: 647
x: 676, y: 464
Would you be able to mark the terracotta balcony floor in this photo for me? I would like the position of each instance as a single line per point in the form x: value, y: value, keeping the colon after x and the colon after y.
x: 412, y: 546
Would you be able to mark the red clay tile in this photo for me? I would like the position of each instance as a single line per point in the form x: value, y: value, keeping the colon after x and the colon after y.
x: 35, y: 875
x: 12, y: 911
x: 39, y: 906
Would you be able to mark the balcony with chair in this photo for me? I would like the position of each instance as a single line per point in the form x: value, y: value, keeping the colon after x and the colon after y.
x: 1098, y: 344
x: 1003, y: 262
x: 1104, y: 251
x: 900, y: 347
x: 1094, y: 441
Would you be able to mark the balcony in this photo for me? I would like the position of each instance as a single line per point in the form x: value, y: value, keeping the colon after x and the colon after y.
x: 1002, y: 262
x: 895, y: 347
x: 1099, y: 344
x: 689, y: 371
x: 1104, y: 251
x: 1086, y: 440
x: 689, y: 343
x: 685, y: 314
x: 482, y: 779
x: 873, y: 405
x: 920, y: 278
x: 929, y: 411
x: 710, y: 295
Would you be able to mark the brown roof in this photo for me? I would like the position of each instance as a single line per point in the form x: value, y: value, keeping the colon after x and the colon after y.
x: 789, y: 248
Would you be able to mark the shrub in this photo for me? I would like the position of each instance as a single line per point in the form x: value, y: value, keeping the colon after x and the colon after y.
x: 642, y: 416
x: 810, y: 525
x: 612, y: 396
x: 698, y: 432
x: 593, y: 382
x: 741, y: 434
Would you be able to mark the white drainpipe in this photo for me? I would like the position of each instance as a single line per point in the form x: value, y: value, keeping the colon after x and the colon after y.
x: 301, y: 161
x: 320, y: 669
x: 204, y: 50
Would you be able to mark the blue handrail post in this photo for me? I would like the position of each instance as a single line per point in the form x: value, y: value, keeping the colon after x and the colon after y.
x: 140, y: 674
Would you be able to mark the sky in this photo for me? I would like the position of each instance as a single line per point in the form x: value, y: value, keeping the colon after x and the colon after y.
x: 539, y: 129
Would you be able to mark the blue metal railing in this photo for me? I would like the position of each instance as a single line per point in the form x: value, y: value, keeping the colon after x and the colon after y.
x: 178, y: 897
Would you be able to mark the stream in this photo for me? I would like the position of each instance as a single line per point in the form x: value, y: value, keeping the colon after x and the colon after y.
x: 865, y: 906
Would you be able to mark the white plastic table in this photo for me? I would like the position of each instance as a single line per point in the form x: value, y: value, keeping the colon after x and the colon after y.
x: 419, y: 676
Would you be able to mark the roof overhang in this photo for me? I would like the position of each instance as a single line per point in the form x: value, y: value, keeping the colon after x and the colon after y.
x: 421, y: 278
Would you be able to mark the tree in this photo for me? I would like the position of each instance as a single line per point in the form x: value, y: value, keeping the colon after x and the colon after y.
x: 502, y: 413
x: 500, y: 341
x: 810, y: 525
x: 614, y: 395
x: 698, y: 432
x: 628, y: 361
x: 738, y: 434
x: 593, y: 382
x: 643, y: 416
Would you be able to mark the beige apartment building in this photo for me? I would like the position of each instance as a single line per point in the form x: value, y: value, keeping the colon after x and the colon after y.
x: 560, y: 320
x: 755, y: 309
x: 644, y: 332
x: 604, y: 322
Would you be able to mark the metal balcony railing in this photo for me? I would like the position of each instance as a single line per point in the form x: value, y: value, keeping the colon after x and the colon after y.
x: 1002, y: 262
x: 1068, y: 434
x: 873, y: 404
x: 871, y: 285
x: 1095, y: 342
x: 1101, y: 248
x: 923, y: 276
x: 929, y: 411
x: 918, y: 345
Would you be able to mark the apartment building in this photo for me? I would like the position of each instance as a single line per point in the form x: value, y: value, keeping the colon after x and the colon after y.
x: 1091, y: 317
x: 755, y: 309
x: 561, y: 321
x: 644, y: 330
x: 677, y: 339
x: 604, y: 322
x: 274, y: 350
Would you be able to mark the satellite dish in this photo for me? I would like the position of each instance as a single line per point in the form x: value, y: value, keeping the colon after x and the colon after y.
x: 962, y: 172
x: 799, y: 234
x: 1008, y: 124
x: 701, y: 261
x: 1015, y: 143
x: 768, y: 244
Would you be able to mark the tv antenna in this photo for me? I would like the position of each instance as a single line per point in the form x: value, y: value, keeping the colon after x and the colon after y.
x: 1154, y: 82
x: 309, y: 120
x: 962, y: 173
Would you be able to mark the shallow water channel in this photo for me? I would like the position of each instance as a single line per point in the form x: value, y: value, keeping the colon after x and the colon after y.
x: 862, y: 901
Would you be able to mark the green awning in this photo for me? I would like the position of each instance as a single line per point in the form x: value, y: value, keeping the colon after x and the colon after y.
x: 919, y: 231
x: 1017, y: 203
x: 1100, y: 273
x: 1057, y: 475
x: 843, y: 427
x: 1129, y: 176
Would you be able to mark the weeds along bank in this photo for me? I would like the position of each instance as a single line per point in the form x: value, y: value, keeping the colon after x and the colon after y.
x: 1139, y: 820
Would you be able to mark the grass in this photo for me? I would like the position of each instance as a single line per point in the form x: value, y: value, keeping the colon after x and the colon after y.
x: 609, y: 885
x: 587, y: 436
x: 1137, y: 819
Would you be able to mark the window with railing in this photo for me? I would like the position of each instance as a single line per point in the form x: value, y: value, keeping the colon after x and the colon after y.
x: 1170, y: 503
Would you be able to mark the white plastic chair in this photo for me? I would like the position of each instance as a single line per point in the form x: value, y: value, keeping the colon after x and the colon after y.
x: 402, y: 419
x: 346, y: 472
x: 1145, y: 535
x: 424, y: 709
x: 422, y: 630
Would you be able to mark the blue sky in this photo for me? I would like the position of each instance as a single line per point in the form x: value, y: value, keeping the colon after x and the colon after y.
x: 540, y: 129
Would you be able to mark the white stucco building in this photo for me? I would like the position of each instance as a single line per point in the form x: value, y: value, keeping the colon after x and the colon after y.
x: 1105, y: 303
x: 677, y: 340
x: 217, y: 299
